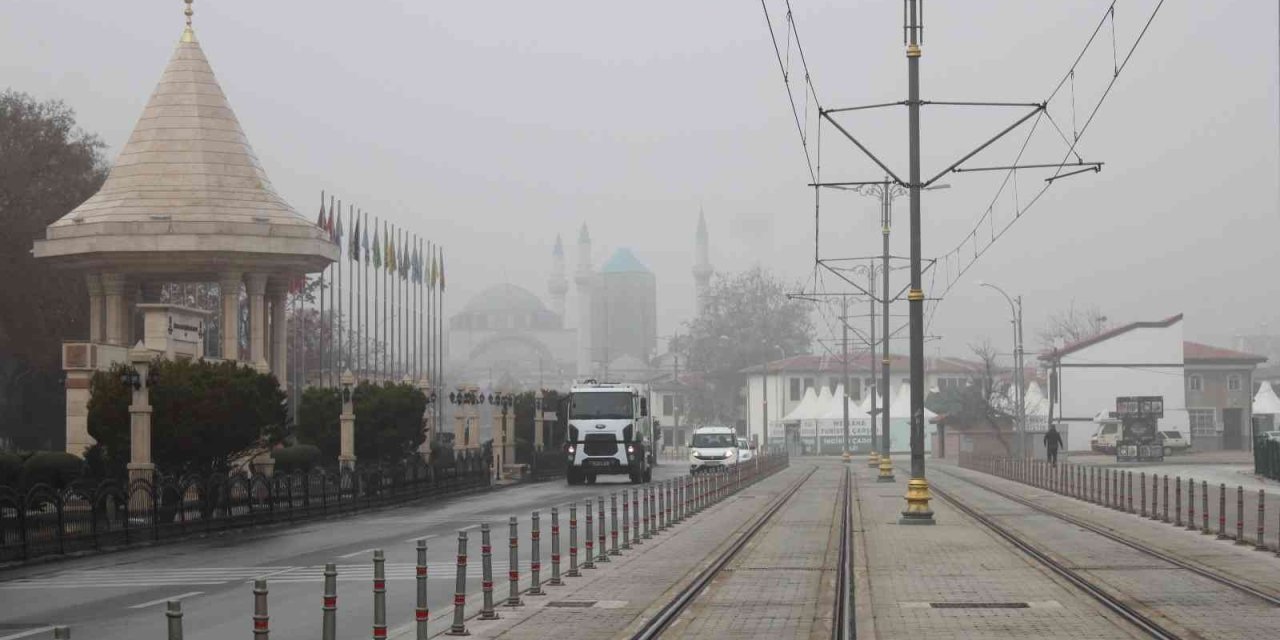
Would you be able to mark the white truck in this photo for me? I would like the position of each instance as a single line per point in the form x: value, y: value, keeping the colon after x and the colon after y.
x: 610, y: 432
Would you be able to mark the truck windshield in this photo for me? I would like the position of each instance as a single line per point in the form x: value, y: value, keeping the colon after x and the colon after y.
x: 601, y: 406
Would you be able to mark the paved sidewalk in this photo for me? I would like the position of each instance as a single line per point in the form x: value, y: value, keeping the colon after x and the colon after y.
x: 622, y: 592
x: 782, y: 584
x: 902, y: 571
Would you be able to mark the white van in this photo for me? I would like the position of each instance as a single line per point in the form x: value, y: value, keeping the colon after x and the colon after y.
x: 1105, y: 438
x: 712, y: 449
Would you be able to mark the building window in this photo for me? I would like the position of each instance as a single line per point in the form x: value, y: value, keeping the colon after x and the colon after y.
x: 1203, y: 422
x: 833, y: 384
x: 1195, y: 383
x: 795, y: 389
x: 668, y: 405
x: 855, y: 389
x: 1233, y: 383
x: 808, y: 384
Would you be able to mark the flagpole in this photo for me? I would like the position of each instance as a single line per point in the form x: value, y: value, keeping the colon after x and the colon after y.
x: 395, y: 302
x: 337, y: 301
x: 385, y: 337
x: 440, y: 337
x: 351, y: 269
x: 421, y: 307
x: 320, y: 327
x: 364, y: 291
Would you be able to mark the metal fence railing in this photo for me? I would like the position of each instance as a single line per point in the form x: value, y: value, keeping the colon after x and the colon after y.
x: 1266, y: 458
x: 42, y: 520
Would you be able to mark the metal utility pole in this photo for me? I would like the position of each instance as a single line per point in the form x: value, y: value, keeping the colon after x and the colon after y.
x: 917, y: 511
x: 844, y: 358
x: 886, y: 214
x: 1015, y: 307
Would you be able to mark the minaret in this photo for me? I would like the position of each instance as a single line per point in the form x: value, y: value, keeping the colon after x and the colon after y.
x: 558, y: 284
x: 584, y: 279
x: 701, y: 264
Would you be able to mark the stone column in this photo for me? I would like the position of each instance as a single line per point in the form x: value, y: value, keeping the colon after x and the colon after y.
x: 459, y: 425
x: 131, y: 296
x: 538, y: 423
x: 94, y: 283
x: 113, y: 285
x: 277, y: 295
x: 140, y: 465
x: 256, y: 284
x: 509, y: 435
x: 347, y: 423
x: 499, y: 441
x: 229, y: 290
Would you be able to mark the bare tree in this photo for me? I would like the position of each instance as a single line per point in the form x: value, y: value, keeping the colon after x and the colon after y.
x: 1073, y: 325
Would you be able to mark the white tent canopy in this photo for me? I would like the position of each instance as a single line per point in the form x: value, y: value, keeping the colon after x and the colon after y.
x: 1266, y: 401
x: 901, y: 406
x: 806, y: 409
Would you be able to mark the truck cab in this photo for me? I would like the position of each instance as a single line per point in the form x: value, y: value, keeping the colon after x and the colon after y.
x: 610, y: 432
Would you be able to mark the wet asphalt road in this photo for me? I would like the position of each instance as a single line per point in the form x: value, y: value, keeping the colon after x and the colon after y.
x: 121, y: 595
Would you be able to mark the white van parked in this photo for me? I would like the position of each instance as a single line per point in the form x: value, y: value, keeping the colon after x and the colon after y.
x: 712, y: 449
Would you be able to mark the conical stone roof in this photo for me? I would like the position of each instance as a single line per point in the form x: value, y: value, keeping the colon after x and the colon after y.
x: 188, y: 181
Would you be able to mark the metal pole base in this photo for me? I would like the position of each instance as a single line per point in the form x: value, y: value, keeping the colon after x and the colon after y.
x: 846, y: 457
x: 873, y: 460
x: 886, y: 470
x: 918, y: 497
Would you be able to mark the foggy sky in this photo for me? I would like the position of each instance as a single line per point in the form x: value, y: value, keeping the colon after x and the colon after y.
x: 492, y: 126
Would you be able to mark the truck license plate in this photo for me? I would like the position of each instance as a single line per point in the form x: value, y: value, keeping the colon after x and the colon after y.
x: 600, y: 463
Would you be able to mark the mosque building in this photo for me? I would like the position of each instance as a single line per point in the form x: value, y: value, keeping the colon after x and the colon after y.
x: 507, y: 335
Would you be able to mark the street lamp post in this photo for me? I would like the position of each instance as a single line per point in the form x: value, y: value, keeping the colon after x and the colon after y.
x: 764, y: 392
x: 463, y: 399
x: 1015, y: 306
x: 504, y: 448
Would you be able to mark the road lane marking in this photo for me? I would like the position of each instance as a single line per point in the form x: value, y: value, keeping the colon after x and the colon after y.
x: 26, y: 634
x: 164, y: 600
x: 417, y: 538
x: 357, y: 553
x: 469, y: 527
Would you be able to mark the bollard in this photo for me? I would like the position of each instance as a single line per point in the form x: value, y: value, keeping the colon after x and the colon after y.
x: 602, y: 550
x: 573, y: 542
x: 1155, y: 496
x: 513, y: 566
x: 173, y: 611
x: 589, y: 562
x: 613, y: 524
x: 635, y: 520
x: 555, y: 549
x: 1106, y: 487
x: 644, y: 518
x: 653, y: 509
x: 1128, y: 490
x: 626, y: 521
x: 329, y: 630
x: 261, y: 620
x: 1261, y: 544
x: 62, y: 633
x: 1177, y: 505
x: 1221, y: 511
x: 486, y: 575
x: 535, y: 557
x: 379, y: 595
x: 662, y: 520
x: 1191, y: 504
x: 1240, y: 515
x: 1164, y: 480
x: 671, y: 497
x: 1142, y: 497
x: 459, y: 626
x: 422, y: 612
x: 1204, y: 507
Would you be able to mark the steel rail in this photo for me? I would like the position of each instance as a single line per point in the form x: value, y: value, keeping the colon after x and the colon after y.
x: 1147, y: 625
x: 1132, y: 544
x: 842, y: 619
x: 657, y: 625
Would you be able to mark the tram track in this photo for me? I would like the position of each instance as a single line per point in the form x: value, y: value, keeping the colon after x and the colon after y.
x: 1118, y: 603
x: 1128, y: 542
x: 686, y: 598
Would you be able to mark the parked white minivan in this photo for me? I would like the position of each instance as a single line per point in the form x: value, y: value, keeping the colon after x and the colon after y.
x: 712, y: 449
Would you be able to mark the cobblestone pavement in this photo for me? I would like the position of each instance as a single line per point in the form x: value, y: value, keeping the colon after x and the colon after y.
x: 782, y: 584
x: 608, y: 600
x: 1188, y: 604
x: 956, y: 579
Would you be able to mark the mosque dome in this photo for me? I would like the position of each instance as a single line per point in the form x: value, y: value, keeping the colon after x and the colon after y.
x: 505, y: 306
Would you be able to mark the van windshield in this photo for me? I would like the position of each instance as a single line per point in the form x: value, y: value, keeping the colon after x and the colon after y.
x: 601, y: 406
x: 714, y: 440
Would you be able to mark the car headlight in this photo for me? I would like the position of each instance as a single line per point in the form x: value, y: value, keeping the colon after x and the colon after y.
x: 693, y: 452
x: 571, y: 449
x: 631, y: 448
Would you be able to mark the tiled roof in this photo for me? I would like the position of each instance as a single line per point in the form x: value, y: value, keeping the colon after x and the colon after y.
x: 1107, y: 335
x: 1196, y: 352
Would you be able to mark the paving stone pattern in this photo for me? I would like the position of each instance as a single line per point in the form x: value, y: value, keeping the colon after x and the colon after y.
x: 902, y: 569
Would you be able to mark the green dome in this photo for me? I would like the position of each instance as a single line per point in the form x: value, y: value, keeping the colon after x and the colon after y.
x: 623, y: 261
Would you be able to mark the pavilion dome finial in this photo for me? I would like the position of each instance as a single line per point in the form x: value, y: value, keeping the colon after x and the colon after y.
x: 188, y: 34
